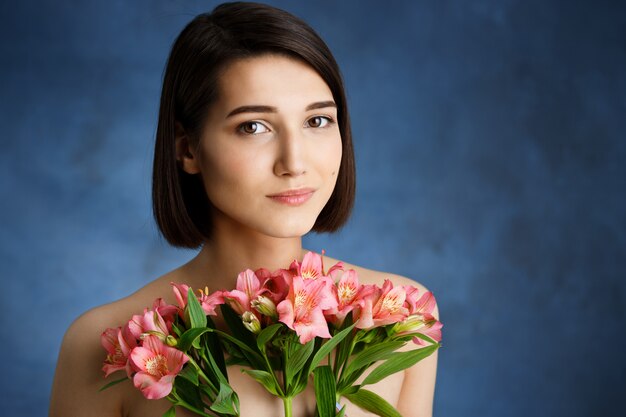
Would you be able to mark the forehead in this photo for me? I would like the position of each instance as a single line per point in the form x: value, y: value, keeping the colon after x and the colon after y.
x: 272, y: 80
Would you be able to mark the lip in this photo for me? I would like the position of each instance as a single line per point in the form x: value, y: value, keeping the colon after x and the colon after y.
x: 294, y: 197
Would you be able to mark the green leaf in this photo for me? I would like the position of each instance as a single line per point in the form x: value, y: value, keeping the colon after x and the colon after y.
x: 345, y: 385
x: 110, y: 384
x: 236, y: 327
x: 325, y: 394
x: 398, y: 361
x: 344, y: 349
x: 225, y: 402
x: 178, y: 330
x: 170, y: 413
x: 243, y: 336
x: 213, y: 344
x: 266, y: 379
x: 255, y: 359
x: 424, y: 337
x: 298, y: 359
x: 299, y: 385
x: 374, y: 403
x: 266, y: 334
x: 190, y: 373
x: 232, y: 350
x: 215, y: 369
x: 188, y: 393
x: 328, y: 346
x: 190, y: 336
x: 209, y: 392
x: 370, y: 355
x: 197, y: 317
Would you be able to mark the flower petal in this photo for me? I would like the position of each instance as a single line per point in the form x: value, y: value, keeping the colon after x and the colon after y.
x: 151, y: 387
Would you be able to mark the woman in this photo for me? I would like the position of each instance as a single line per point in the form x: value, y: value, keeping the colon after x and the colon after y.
x: 253, y: 150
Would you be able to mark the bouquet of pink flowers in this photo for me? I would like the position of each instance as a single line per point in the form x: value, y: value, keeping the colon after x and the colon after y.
x: 283, y: 327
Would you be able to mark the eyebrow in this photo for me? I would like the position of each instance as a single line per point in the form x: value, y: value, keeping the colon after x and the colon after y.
x: 270, y: 109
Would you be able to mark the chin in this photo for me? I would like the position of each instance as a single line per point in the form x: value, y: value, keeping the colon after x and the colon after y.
x: 289, y: 229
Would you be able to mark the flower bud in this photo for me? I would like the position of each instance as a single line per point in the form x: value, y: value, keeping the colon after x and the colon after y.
x: 410, y: 325
x: 251, y: 322
x: 171, y: 340
x: 265, y: 306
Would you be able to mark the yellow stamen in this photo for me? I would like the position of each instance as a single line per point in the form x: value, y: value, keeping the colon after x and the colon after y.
x: 309, y: 274
x: 392, y: 304
x: 157, y: 365
x: 346, y: 292
x: 300, y: 299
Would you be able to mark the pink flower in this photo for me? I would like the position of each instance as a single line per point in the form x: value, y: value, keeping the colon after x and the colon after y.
x: 312, y: 266
x: 208, y: 301
x: 419, y: 305
x: 167, y: 311
x: 432, y: 328
x: 118, y: 343
x: 150, y: 322
x: 349, y: 294
x: 247, y: 289
x: 382, y: 306
x: 420, y: 319
x: 424, y: 324
x: 180, y: 292
x: 275, y: 285
x: 158, y: 365
x: 303, y: 308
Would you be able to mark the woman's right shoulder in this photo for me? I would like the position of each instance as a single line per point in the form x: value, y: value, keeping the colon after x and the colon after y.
x: 79, y: 375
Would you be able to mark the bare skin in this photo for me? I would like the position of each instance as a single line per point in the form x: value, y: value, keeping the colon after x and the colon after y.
x: 289, y: 140
x: 79, y: 367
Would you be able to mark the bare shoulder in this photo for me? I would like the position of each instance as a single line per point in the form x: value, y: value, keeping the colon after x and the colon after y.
x: 79, y: 375
x: 370, y: 276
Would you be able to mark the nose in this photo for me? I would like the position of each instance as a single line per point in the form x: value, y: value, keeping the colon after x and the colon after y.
x: 291, y: 155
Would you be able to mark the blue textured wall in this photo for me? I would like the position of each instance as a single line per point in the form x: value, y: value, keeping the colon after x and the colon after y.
x: 491, y: 167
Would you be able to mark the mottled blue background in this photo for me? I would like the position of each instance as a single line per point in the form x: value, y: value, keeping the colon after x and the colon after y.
x: 491, y: 149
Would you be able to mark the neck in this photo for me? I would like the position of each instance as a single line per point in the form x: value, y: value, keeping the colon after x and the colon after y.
x: 229, y: 252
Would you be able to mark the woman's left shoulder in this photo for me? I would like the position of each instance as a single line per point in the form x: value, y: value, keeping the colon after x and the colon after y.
x: 370, y: 276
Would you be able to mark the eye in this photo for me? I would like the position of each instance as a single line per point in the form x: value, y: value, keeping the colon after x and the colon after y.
x: 252, y: 128
x: 319, y: 121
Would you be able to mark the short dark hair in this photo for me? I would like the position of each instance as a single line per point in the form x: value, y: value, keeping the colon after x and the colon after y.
x: 190, y: 86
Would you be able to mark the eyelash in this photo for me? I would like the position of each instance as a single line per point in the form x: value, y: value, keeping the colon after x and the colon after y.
x: 329, y: 122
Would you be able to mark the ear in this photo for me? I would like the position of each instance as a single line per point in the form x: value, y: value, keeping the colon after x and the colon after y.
x: 185, y: 155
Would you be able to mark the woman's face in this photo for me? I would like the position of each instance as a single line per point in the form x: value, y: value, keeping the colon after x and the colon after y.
x: 270, y: 150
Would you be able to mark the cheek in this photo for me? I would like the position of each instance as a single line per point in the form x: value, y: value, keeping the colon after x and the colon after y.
x: 335, y: 161
x: 223, y: 172
x: 228, y: 160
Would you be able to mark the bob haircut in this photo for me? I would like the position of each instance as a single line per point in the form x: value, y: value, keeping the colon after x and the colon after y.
x: 205, y: 47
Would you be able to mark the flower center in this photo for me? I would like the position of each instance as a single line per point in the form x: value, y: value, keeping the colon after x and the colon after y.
x: 309, y: 274
x: 391, y: 304
x: 304, y: 303
x: 157, y: 365
x: 300, y: 299
x: 346, y: 293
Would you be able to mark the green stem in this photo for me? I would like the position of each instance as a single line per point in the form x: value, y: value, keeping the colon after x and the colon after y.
x: 287, y: 403
x: 202, y: 374
x: 345, y: 362
x: 271, y: 371
x: 178, y: 401
x: 284, y: 370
